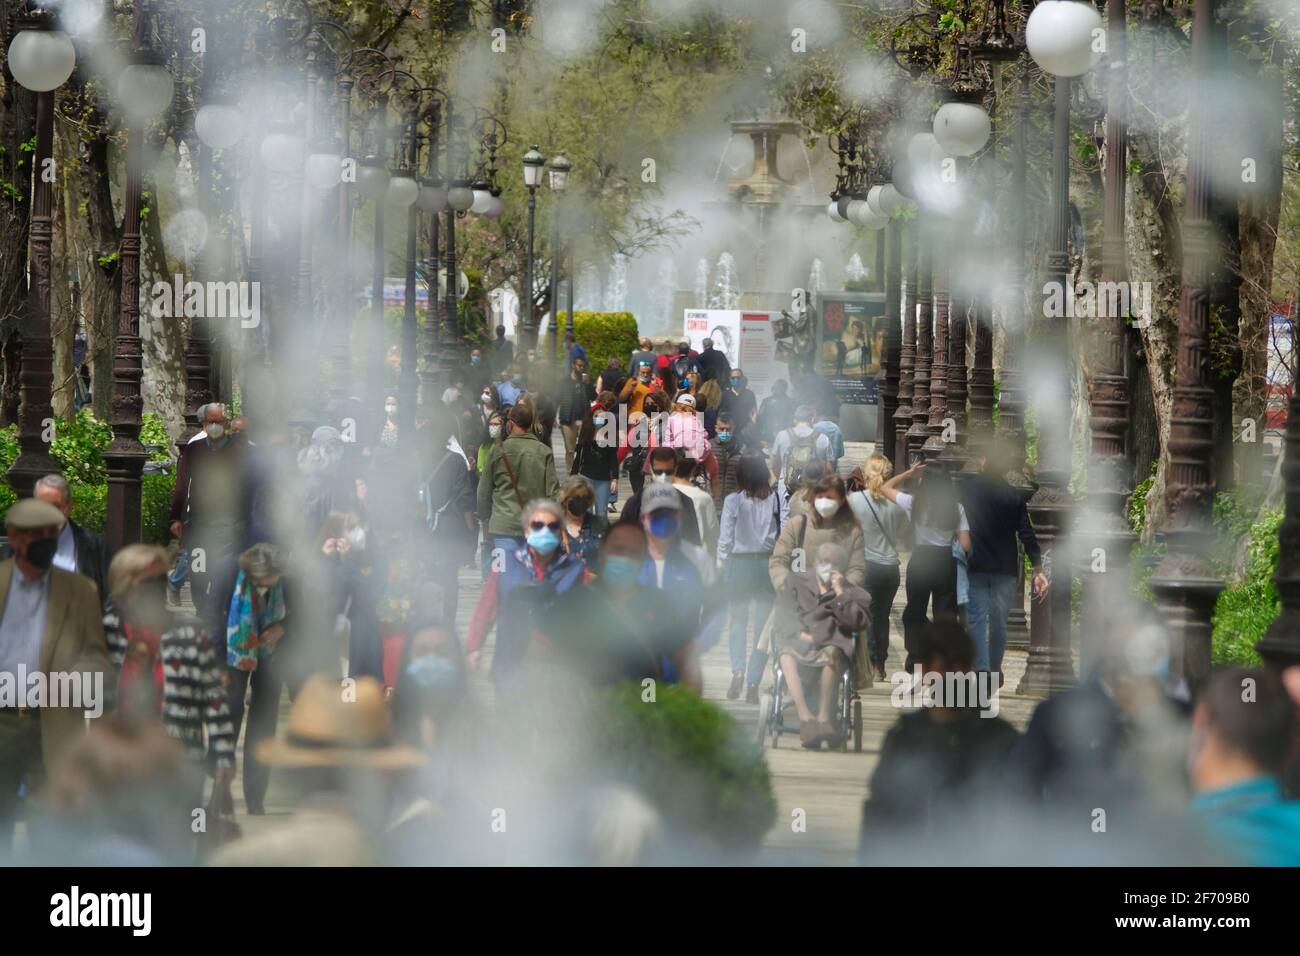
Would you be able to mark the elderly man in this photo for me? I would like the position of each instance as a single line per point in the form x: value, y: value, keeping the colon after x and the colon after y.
x: 49, y: 625
x: 210, y: 513
x: 80, y: 549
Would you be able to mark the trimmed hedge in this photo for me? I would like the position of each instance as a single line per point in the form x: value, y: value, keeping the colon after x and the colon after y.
x: 78, y: 447
x: 602, y: 334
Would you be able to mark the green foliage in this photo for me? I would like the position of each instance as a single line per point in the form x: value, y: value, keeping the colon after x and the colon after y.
x: 688, y: 757
x: 79, y: 447
x: 604, y: 335
x: 1137, y: 502
x: 1246, y: 608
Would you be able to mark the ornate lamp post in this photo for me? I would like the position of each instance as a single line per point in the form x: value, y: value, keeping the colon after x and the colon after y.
x: 533, y: 162
x: 41, y: 60
x: 144, y: 92
x: 559, y: 180
x: 1059, y: 36
x: 1185, y: 584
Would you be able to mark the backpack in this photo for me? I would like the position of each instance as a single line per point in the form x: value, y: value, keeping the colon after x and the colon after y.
x: 803, y: 451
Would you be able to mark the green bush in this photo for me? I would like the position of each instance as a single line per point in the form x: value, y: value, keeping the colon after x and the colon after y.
x: 690, y: 760
x: 602, y: 334
x: 79, y: 447
x: 1246, y: 608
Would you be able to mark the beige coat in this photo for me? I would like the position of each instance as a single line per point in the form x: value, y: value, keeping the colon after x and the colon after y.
x: 74, y: 643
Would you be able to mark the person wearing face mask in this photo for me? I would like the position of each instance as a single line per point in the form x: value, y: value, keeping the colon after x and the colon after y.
x: 828, y: 520
x: 728, y: 451
x: 526, y: 582
x: 351, y: 576
x: 254, y: 629
x: 478, y: 374
x: 211, y: 510
x: 50, y: 623
x: 739, y: 402
x: 663, y: 468
x: 596, y: 451
x: 169, y: 668
x: 584, y: 527
x: 680, y: 570
x: 818, y: 616
x: 615, y: 628
x: 639, y: 385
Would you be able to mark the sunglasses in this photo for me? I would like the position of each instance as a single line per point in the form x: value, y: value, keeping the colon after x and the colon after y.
x: 540, y: 525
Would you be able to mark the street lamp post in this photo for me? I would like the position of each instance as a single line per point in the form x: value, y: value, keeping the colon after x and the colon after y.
x: 1185, y: 583
x: 559, y: 179
x: 907, y: 353
x: 919, y: 430
x: 1059, y: 36
x: 893, y: 335
x: 145, y: 91
x: 533, y: 162
x: 41, y: 59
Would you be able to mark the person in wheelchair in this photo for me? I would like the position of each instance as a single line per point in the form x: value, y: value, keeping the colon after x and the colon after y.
x: 819, y: 613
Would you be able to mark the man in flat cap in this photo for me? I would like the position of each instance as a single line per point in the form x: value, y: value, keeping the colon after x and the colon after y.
x: 53, y: 656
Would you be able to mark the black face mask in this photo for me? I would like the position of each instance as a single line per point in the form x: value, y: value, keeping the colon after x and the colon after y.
x: 579, y: 506
x: 41, y: 553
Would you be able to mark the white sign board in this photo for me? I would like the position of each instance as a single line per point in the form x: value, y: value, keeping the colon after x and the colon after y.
x: 746, y: 338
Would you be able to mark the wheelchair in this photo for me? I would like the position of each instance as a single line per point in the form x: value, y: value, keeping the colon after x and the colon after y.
x: 777, y: 714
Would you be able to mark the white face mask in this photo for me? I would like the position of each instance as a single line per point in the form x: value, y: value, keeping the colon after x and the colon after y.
x: 827, y: 507
x: 390, y: 409
x: 215, y: 430
x: 487, y: 398
x: 494, y: 430
x: 357, y: 539
x: 598, y: 421
x: 824, y: 571
x: 660, y: 479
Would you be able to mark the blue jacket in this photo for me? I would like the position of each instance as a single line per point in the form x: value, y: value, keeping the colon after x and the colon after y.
x: 1252, y: 821
x: 522, y: 600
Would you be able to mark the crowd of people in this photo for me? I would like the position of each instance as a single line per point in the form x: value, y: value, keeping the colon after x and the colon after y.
x: 330, y: 554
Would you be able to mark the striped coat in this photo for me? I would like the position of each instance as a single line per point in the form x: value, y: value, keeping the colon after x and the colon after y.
x: 195, y: 710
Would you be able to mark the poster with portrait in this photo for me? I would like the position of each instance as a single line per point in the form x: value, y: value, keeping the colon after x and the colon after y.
x: 746, y: 338
x: 851, y: 342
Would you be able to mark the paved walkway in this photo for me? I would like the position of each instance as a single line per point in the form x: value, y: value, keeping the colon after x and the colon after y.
x: 828, y: 787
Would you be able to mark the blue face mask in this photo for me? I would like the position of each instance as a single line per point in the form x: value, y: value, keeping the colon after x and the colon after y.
x: 475, y: 359
x: 432, y: 671
x: 735, y: 383
x: 620, y: 572
x: 663, y: 524
x: 724, y: 436
x: 544, y: 541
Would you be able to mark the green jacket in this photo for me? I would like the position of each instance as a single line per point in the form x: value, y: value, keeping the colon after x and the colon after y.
x: 533, y: 465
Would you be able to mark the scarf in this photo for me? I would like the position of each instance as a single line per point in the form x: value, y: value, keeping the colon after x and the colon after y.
x: 142, y: 665
x: 247, y: 620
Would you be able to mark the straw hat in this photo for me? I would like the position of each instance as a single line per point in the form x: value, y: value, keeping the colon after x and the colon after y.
x: 335, y: 726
